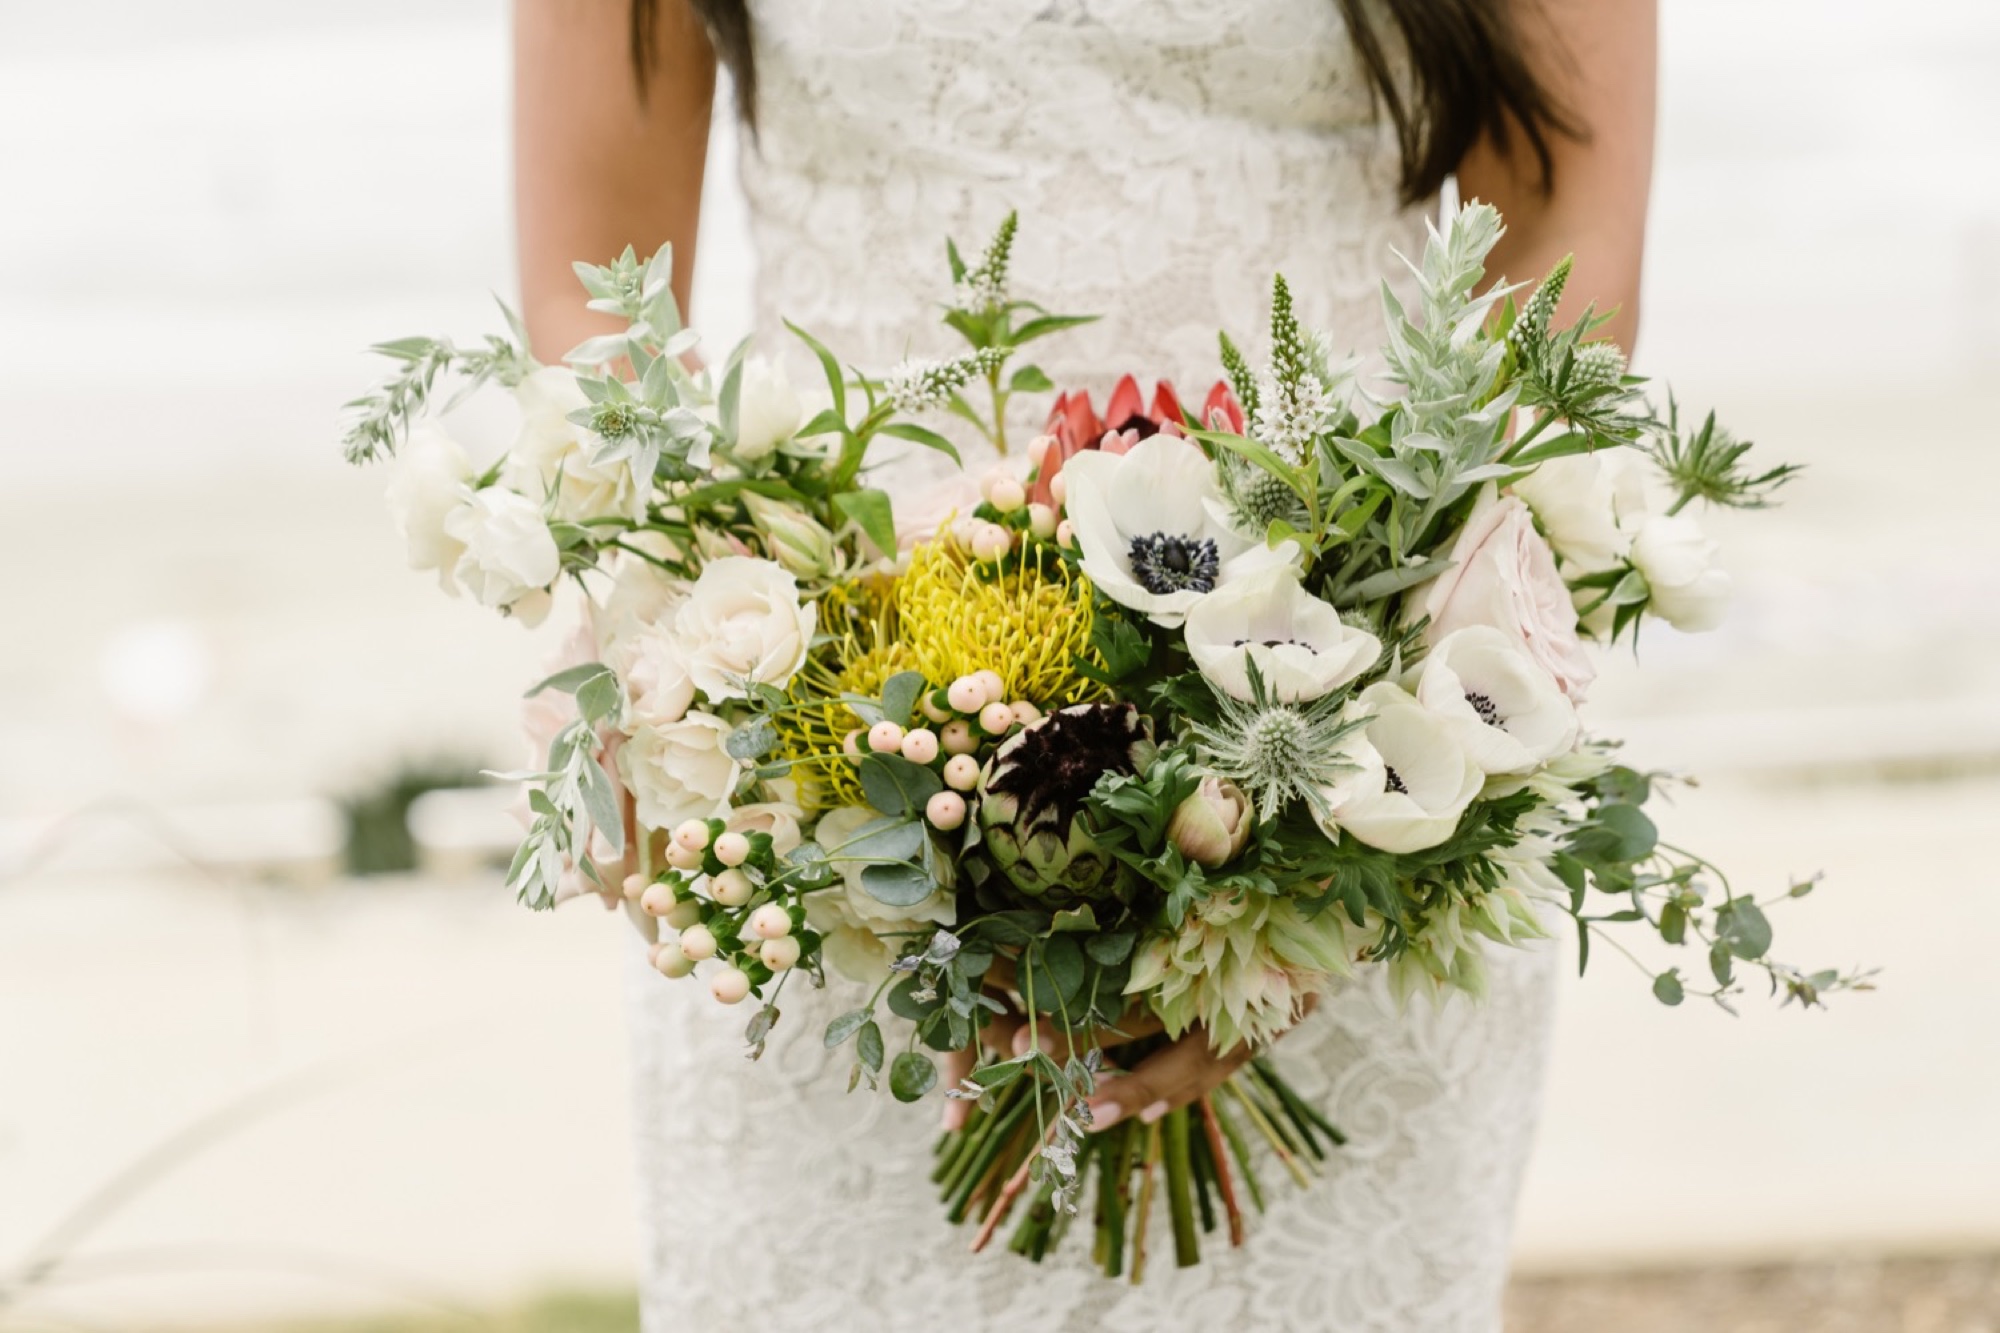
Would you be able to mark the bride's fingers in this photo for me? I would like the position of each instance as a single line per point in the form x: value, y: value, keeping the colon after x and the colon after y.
x: 1165, y: 1081
x: 957, y: 1064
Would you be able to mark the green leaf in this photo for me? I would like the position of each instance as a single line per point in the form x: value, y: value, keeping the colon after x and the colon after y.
x: 895, y: 786
x: 911, y: 1076
x: 872, y: 512
x: 1673, y: 923
x: 730, y: 397
x: 999, y: 1076
x: 868, y: 1046
x: 1083, y: 918
x: 597, y: 699
x: 1667, y: 987
x: 887, y: 840
x: 899, y: 696
x: 1046, y: 324
x: 752, y: 740
x: 836, y: 383
x: 569, y: 679
x: 897, y: 885
x: 1030, y: 379
x: 1112, y: 947
x: 1056, y: 972
x: 825, y: 422
x: 1390, y: 581
x: 602, y: 803
x: 845, y: 1026
x: 930, y: 439
x: 1720, y: 963
x: 1742, y: 925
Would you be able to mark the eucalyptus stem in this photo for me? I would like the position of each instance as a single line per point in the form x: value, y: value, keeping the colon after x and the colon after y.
x: 1270, y: 1133
x: 979, y: 1161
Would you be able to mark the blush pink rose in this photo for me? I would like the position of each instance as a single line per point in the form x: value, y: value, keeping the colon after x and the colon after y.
x: 1504, y: 575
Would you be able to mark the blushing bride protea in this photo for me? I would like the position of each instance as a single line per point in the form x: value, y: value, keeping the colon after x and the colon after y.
x: 1242, y: 966
x: 1147, y: 524
x: 1031, y: 802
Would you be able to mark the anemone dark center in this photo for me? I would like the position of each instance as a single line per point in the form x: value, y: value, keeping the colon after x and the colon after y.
x: 1165, y: 563
x: 1393, y: 780
x: 1274, y: 643
x: 1489, y: 712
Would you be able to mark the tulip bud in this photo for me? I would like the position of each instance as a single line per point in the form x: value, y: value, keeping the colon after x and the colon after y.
x: 795, y: 539
x: 1211, y: 826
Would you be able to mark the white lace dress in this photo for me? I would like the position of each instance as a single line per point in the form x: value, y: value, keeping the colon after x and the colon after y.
x: 1166, y: 156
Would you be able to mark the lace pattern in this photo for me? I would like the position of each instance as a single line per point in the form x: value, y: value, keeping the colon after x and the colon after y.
x: 1166, y: 156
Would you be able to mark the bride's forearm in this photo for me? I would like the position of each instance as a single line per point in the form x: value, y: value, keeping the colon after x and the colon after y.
x: 1599, y: 61
x: 598, y: 167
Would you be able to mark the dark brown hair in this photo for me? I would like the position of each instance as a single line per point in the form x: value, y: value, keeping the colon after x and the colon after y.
x: 1469, y: 76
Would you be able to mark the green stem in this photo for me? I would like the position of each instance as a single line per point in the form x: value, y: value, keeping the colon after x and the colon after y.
x: 1246, y: 1169
x: 1173, y: 1130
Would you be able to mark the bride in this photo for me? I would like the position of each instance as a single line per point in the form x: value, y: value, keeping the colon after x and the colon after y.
x: 1166, y: 157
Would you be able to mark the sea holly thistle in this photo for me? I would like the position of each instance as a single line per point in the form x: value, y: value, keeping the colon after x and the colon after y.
x: 1277, y: 752
x: 1707, y: 464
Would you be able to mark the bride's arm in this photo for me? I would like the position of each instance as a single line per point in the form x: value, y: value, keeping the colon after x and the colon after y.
x: 1599, y: 60
x: 598, y: 166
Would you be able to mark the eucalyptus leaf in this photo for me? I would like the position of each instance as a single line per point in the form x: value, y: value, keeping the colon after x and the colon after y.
x: 845, y: 1026
x: 911, y: 1076
x: 895, y: 786
x: 899, y: 696
x: 868, y: 1046
x: 897, y: 885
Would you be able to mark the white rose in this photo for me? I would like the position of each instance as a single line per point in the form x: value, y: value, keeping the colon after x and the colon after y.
x: 767, y: 412
x: 431, y: 479
x: 1412, y: 779
x: 853, y: 920
x: 657, y: 679
x: 679, y: 771
x: 1504, y: 575
x: 1508, y: 713
x: 508, y: 558
x: 1678, y: 559
x: 553, y: 454
x: 779, y: 817
x: 743, y: 621
x: 1148, y: 524
x: 1301, y: 647
x: 643, y: 597
x: 1589, y: 504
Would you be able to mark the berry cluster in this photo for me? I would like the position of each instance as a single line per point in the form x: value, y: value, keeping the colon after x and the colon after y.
x: 970, y: 713
x: 722, y: 897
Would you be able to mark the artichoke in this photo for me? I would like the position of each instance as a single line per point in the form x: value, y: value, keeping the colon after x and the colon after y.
x: 1031, y: 798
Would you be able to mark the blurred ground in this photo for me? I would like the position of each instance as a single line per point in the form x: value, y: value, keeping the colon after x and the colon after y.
x: 215, y: 623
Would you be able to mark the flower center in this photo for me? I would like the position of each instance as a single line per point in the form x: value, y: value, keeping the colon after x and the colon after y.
x: 1393, y: 781
x: 1164, y: 563
x: 1489, y: 712
x: 1273, y: 643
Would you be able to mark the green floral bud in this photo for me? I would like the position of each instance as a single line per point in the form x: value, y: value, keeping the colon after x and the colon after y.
x: 1211, y: 826
x: 792, y: 537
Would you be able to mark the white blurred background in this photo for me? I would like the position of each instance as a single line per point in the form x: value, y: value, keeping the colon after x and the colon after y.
x: 211, y: 206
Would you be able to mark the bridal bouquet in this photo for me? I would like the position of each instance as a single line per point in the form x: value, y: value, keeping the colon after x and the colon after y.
x: 1178, y: 719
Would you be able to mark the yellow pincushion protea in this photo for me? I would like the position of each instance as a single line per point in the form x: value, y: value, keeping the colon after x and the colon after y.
x: 1030, y: 623
x: 859, y: 618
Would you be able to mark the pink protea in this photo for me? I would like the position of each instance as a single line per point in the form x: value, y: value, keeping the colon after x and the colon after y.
x: 1074, y: 426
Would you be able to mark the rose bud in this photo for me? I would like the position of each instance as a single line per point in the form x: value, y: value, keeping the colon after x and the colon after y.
x: 1211, y: 826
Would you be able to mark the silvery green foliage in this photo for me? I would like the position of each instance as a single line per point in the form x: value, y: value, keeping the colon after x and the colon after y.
x: 653, y: 422
x: 379, y: 420
x: 1450, y: 427
x: 573, y: 795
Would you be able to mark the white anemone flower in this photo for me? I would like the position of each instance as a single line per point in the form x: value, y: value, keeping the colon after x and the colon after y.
x: 1300, y: 646
x: 1150, y: 538
x: 1411, y: 780
x: 1509, y: 713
